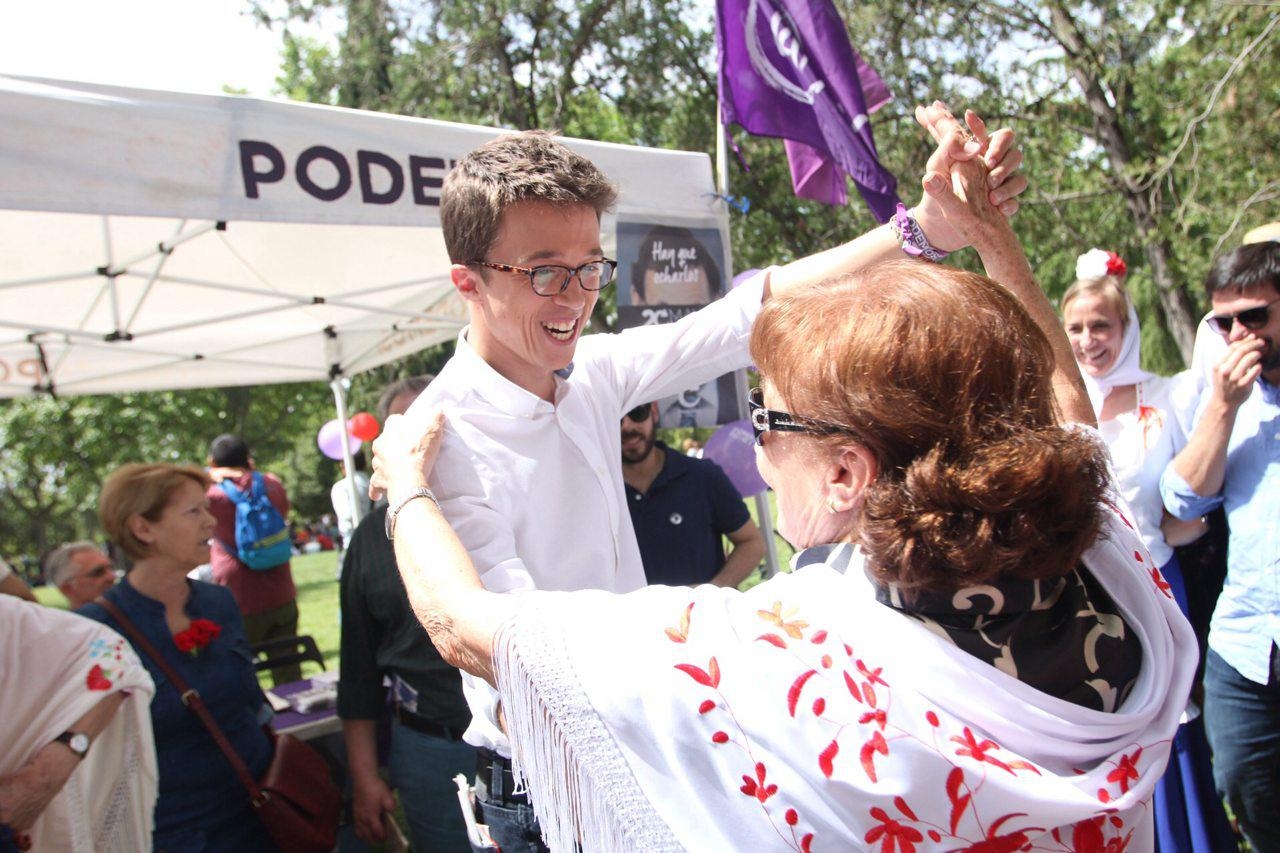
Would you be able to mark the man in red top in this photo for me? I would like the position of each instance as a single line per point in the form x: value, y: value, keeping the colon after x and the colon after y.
x: 267, y: 598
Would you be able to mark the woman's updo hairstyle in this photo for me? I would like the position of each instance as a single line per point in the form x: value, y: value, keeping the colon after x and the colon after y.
x: 946, y: 379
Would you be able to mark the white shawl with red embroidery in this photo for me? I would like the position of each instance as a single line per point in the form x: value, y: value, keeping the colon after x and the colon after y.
x: 803, y: 715
x: 56, y: 667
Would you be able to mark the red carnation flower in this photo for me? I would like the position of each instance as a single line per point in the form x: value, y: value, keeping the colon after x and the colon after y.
x: 1116, y: 265
x: 199, y: 634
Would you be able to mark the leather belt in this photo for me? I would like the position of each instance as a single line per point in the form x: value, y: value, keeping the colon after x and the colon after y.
x: 495, y: 781
x: 410, y: 720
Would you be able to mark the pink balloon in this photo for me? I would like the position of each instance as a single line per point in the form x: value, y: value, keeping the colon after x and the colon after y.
x: 330, y: 437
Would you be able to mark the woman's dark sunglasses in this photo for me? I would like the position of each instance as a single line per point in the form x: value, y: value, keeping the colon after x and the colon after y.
x: 639, y: 414
x: 1251, y: 318
x: 763, y: 420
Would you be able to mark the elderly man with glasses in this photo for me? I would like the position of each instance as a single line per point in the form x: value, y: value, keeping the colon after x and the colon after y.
x: 1232, y: 459
x: 80, y: 571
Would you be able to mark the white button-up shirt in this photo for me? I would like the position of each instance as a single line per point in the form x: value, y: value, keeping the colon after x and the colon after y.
x: 535, y: 490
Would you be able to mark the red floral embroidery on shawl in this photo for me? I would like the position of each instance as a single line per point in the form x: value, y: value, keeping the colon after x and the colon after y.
x: 757, y: 787
x: 1087, y: 836
x: 892, y: 834
x: 1124, y: 772
x: 876, y: 729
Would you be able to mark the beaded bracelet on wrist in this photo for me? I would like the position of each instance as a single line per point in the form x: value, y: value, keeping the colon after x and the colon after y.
x: 911, y: 236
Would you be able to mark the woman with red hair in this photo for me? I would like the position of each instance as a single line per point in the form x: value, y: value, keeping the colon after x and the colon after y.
x: 971, y: 651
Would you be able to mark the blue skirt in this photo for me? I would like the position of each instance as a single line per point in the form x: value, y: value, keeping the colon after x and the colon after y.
x: 1189, y: 816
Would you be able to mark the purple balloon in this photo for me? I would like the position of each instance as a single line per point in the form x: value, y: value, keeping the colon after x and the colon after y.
x: 733, y: 448
x: 330, y: 438
x: 741, y: 277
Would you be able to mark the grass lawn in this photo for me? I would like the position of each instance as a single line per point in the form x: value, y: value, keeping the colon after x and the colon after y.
x: 784, y: 548
x: 316, y: 576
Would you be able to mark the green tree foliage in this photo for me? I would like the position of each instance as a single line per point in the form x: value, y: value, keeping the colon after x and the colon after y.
x: 1147, y: 125
x: 637, y: 72
x: 58, y: 451
x: 1143, y: 123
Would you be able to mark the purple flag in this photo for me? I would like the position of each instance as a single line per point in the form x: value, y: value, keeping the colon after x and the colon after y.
x: 787, y: 70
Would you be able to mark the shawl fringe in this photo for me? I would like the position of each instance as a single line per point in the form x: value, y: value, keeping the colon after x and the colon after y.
x: 585, y: 795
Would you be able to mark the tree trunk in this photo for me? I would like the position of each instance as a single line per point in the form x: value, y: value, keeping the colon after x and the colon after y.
x: 1177, y: 311
x: 366, y: 50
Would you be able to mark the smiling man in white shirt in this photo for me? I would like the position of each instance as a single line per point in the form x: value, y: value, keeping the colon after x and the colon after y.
x: 528, y: 475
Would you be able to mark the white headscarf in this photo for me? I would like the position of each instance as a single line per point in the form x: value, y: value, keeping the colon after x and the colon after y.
x: 1209, y: 350
x: 1125, y: 370
x: 1094, y: 265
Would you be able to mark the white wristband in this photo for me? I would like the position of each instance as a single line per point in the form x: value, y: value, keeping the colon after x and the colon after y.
x: 420, y: 492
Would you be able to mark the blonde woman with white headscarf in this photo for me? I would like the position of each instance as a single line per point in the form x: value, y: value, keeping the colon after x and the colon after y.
x: 1139, y: 419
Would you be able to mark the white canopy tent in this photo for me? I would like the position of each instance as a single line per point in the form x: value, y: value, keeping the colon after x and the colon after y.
x: 151, y: 240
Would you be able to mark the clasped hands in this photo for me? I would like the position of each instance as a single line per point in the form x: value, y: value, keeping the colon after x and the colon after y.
x: 972, y: 180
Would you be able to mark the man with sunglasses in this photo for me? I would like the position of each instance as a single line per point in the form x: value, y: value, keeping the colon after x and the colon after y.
x: 681, y: 507
x: 1232, y: 459
x: 81, y: 571
x: 528, y: 474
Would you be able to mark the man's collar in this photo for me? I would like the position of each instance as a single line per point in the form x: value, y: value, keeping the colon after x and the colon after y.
x: 674, y: 464
x: 499, y: 391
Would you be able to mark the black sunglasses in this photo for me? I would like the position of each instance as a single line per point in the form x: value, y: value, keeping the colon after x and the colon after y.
x: 1251, y: 318
x: 763, y: 420
x: 639, y: 414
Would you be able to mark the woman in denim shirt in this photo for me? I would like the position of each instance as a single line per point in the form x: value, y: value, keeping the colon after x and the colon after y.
x: 159, y: 516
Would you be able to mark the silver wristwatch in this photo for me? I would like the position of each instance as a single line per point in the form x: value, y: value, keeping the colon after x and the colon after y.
x: 77, y: 742
x: 421, y: 492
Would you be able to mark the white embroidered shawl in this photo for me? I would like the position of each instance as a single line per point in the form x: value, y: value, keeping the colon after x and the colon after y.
x: 803, y: 715
x: 56, y: 667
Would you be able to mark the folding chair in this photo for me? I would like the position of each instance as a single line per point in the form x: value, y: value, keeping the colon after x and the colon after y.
x: 271, y: 654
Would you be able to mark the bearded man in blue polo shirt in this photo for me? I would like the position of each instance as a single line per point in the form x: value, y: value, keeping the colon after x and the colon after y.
x: 680, y: 508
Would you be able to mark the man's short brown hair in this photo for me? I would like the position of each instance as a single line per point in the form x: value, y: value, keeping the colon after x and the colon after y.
x: 527, y: 166
x: 1246, y: 267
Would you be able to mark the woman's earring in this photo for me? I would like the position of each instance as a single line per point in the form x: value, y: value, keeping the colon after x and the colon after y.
x: 831, y: 506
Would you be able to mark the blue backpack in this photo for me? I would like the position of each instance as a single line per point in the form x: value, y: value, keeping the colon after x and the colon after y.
x: 262, y: 539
